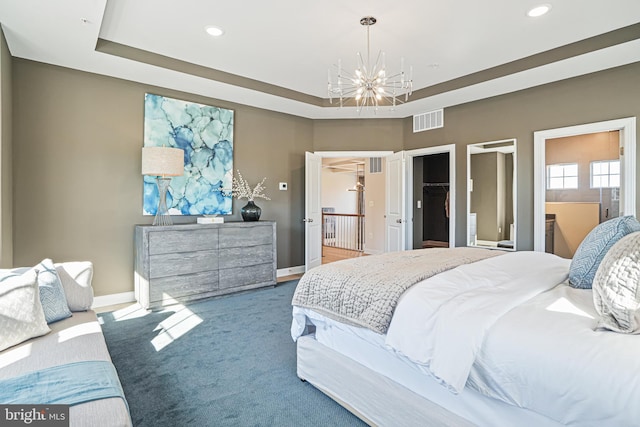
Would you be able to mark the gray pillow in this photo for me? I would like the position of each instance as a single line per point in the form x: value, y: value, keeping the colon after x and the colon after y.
x: 594, y: 247
x: 52, y: 297
x: 616, y: 287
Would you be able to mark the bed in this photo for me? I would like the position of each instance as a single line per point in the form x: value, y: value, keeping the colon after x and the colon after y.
x: 498, y: 340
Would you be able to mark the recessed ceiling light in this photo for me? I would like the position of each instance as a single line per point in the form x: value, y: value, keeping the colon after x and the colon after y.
x: 539, y: 10
x: 214, y: 31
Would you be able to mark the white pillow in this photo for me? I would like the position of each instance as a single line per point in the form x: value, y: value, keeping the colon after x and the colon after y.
x: 616, y: 286
x: 21, y: 314
x: 76, y: 281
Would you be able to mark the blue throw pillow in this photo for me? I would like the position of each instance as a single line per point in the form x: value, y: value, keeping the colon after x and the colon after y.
x: 594, y: 247
x: 52, y: 297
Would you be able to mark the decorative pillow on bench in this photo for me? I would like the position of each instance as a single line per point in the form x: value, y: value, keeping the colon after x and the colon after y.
x: 76, y: 280
x: 52, y: 297
x: 21, y: 314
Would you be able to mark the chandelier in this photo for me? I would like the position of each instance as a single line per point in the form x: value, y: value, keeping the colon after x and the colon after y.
x: 370, y: 86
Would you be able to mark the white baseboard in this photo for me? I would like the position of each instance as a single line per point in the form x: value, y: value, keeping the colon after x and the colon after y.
x: 113, y: 299
x: 289, y: 271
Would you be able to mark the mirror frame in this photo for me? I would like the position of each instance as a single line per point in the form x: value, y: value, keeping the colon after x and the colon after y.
x: 473, y: 147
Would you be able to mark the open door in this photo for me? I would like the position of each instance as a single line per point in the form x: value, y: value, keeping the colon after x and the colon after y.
x: 395, y: 218
x: 313, y: 211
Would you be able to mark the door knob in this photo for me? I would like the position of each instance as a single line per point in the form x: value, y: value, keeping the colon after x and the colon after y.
x: 399, y: 221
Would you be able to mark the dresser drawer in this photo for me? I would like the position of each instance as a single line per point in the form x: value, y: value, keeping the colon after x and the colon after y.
x: 166, y: 242
x: 175, y: 287
x: 244, y: 257
x: 242, y: 276
x: 250, y: 235
x: 175, y: 264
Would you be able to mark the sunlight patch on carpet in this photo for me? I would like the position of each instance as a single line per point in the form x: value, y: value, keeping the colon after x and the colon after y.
x: 131, y: 312
x: 175, y: 326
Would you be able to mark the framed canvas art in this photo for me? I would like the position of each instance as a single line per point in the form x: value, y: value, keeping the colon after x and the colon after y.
x: 205, y: 133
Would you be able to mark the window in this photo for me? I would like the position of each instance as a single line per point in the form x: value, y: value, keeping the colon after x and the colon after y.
x: 562, y: 176
x: 605, y: 174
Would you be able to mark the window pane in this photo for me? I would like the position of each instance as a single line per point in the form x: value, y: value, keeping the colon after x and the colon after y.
x: 614, y: 181
x: 571, y: 182
x: 595, y: 182
x: 615, y: 167
x: 556, y: 183
x: 595, y: 168
x: 555, y: 171
x: 571, y: 170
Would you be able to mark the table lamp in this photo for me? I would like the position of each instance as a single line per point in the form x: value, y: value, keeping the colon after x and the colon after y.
x: 162, y: 162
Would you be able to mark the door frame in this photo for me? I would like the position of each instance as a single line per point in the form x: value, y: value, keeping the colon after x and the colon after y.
x: 439, y: 149
x: 627, y: 128
x: 328, y: 154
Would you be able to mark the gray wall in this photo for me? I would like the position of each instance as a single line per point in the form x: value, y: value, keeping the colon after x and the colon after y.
x: 606, y: 95
x: 6, y: 180
x: 76, y: 156
x: 78, y: 188
x: 358, y: 135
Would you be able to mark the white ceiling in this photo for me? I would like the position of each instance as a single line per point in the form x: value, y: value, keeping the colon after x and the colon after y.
x: 292, y: 43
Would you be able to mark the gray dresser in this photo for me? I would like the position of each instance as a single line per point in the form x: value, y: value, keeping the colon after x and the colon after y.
x: 186, y: 262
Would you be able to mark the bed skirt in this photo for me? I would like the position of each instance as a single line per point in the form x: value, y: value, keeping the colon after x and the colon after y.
x: 372, y: 397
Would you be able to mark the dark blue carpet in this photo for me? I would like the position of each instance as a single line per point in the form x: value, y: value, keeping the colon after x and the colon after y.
x: 227, y: 361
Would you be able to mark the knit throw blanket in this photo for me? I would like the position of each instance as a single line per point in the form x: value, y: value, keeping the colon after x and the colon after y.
x: 364, y: 291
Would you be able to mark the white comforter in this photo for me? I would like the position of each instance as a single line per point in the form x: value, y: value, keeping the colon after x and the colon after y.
x: 441, y: 322
x: 546, y: 356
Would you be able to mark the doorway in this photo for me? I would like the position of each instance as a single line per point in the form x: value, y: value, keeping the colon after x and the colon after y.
x: 430, y: 194
x: 439, y: 183
x: 625, y: 131
x: 314, y: 203
x: 343, y: 207
x: 582, y: 188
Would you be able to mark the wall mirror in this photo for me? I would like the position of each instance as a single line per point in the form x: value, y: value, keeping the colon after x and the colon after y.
x: 491, y: 194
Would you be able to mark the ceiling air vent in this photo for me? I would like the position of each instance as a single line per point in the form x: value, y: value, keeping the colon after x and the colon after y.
x: 428, y: 121
x: 375, y: 165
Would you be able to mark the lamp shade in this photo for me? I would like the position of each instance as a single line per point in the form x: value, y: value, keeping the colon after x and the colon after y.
x: 162, y: 161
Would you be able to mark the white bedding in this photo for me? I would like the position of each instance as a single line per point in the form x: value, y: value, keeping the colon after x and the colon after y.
x: 537, y: 350
x: 441, y: 322
x: 546, y: 356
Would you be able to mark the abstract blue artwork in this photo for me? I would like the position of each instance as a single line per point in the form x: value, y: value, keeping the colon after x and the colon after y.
x: 205, y: 133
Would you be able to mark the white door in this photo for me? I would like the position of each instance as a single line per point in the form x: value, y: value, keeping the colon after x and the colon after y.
x: 313, y: 211
x: 395, y: 218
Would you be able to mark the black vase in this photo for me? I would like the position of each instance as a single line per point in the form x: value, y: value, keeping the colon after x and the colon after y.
x: 251, y: 211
